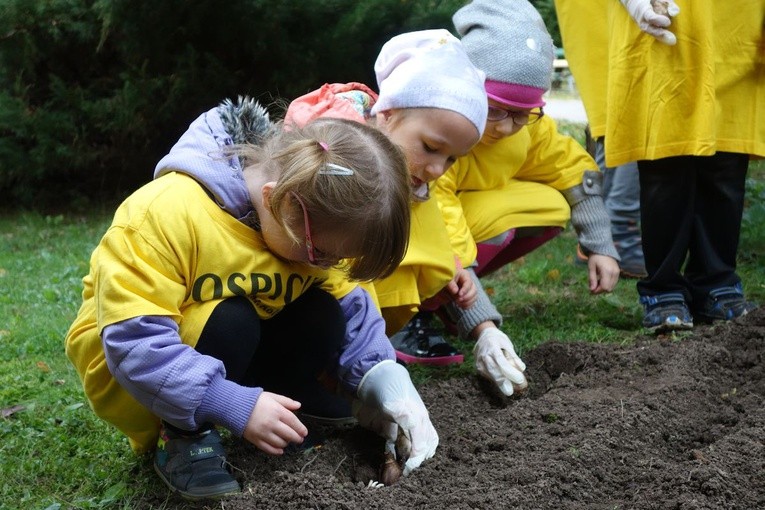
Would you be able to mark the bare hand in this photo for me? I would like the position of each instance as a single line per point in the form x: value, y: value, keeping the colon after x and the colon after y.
x: 603, y: 273
x: 462, y: 289
x: 273, y: 424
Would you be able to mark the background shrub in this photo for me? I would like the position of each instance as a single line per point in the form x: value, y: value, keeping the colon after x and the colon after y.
x: 94, y: 92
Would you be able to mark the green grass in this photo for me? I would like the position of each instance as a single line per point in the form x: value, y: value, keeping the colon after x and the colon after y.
x: 55, y: 454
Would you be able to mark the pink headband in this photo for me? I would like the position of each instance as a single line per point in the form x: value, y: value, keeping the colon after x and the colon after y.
x: 512, y: 94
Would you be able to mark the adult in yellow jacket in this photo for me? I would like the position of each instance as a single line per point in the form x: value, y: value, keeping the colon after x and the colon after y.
x: 687, y: 101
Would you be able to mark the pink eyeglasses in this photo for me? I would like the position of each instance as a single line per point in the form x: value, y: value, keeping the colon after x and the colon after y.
x: 308, y: 241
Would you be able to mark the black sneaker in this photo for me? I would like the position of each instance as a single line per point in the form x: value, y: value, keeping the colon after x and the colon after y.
x: 419, y: 342
x: 194, y: 466
x: 324, y: 408
x: 724, y: 304
x: 666, y: 312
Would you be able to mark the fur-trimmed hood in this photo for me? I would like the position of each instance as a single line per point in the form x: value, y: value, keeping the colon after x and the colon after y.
x: 198, y: 152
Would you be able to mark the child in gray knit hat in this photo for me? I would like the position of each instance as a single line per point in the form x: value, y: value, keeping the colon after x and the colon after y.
x: 523, y: 182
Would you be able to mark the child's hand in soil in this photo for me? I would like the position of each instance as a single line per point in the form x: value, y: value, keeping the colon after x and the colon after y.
x: 496, y: 360
x: 273, y: 424
x: 389, y: 402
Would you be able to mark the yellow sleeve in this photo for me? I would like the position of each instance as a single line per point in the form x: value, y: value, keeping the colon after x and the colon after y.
x: 553, y: 158
x: 445, y: 192
x: 338, y: 284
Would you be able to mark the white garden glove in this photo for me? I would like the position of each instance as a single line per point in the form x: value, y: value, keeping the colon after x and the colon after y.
x: 388, y: 400
x: 653, y: 17
x: 496, y: 360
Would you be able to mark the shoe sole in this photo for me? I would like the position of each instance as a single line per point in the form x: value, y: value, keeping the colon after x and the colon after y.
x: 220, y: 491
x: 436, y: 362
x: 630, y: 274
x: 707, y: 319
x: 669, y: 326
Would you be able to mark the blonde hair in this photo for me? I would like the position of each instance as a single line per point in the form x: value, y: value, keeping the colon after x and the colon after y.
x: 371, y: 205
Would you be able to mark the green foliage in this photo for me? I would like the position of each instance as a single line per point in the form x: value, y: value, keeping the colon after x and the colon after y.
x: 94, y: 92
x: 547, y: 9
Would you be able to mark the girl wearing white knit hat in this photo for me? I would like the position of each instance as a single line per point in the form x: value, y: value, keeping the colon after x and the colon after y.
x: 432, y: 103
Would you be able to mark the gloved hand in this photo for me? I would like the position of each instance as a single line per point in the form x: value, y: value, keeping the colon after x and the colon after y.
x: 653, y: 17
x: 496, y: 360
x: 388, y: 400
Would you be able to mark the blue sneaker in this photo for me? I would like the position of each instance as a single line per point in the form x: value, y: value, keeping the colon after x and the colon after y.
x: 724, y: 304
x: 194, y: 465
x: 666, y: 312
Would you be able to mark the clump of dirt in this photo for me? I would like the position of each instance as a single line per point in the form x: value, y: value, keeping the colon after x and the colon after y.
x: 664, y: 423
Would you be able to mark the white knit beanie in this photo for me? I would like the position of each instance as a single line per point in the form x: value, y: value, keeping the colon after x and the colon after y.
x: 507, y: 40
x: 430, y: 69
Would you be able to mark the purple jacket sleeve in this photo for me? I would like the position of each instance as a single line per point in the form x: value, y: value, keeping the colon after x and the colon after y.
x: 365, y: 341
x: 177, y: 383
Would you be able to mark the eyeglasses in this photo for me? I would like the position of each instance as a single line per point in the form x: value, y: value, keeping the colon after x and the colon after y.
x: 519, y: 118
x: 308, y: 241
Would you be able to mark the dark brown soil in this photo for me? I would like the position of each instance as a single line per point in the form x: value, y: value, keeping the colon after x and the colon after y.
x: 666, y: 423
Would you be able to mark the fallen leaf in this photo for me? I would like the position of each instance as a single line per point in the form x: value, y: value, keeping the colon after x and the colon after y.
x: 8, y: 411
x: 553, y: 274
x: 43, y: 366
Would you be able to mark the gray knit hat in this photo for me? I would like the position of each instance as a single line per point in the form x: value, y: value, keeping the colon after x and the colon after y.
x: 507, y: 40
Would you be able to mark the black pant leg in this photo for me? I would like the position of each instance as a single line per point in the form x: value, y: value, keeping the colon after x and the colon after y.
x: 285, y: 354
x: 300, y: 344
x: 667, y: 202
x: 717, y: 223
x: 232, y: 335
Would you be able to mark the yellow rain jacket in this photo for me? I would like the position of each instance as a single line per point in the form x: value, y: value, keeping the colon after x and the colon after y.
x: 515, y: 182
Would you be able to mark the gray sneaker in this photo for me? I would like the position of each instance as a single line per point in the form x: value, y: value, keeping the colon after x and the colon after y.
x: 194, y: 466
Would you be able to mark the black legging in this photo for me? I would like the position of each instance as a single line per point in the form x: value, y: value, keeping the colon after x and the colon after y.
x: 284, y: 354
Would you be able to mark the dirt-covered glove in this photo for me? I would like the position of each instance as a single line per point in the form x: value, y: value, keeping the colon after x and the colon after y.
x: 496, y: 360
x: 653, y: 17
x: 388, y: 400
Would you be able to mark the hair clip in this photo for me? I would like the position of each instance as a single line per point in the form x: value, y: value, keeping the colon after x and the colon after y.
x: 324, y: 146
x: 333, y: 169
